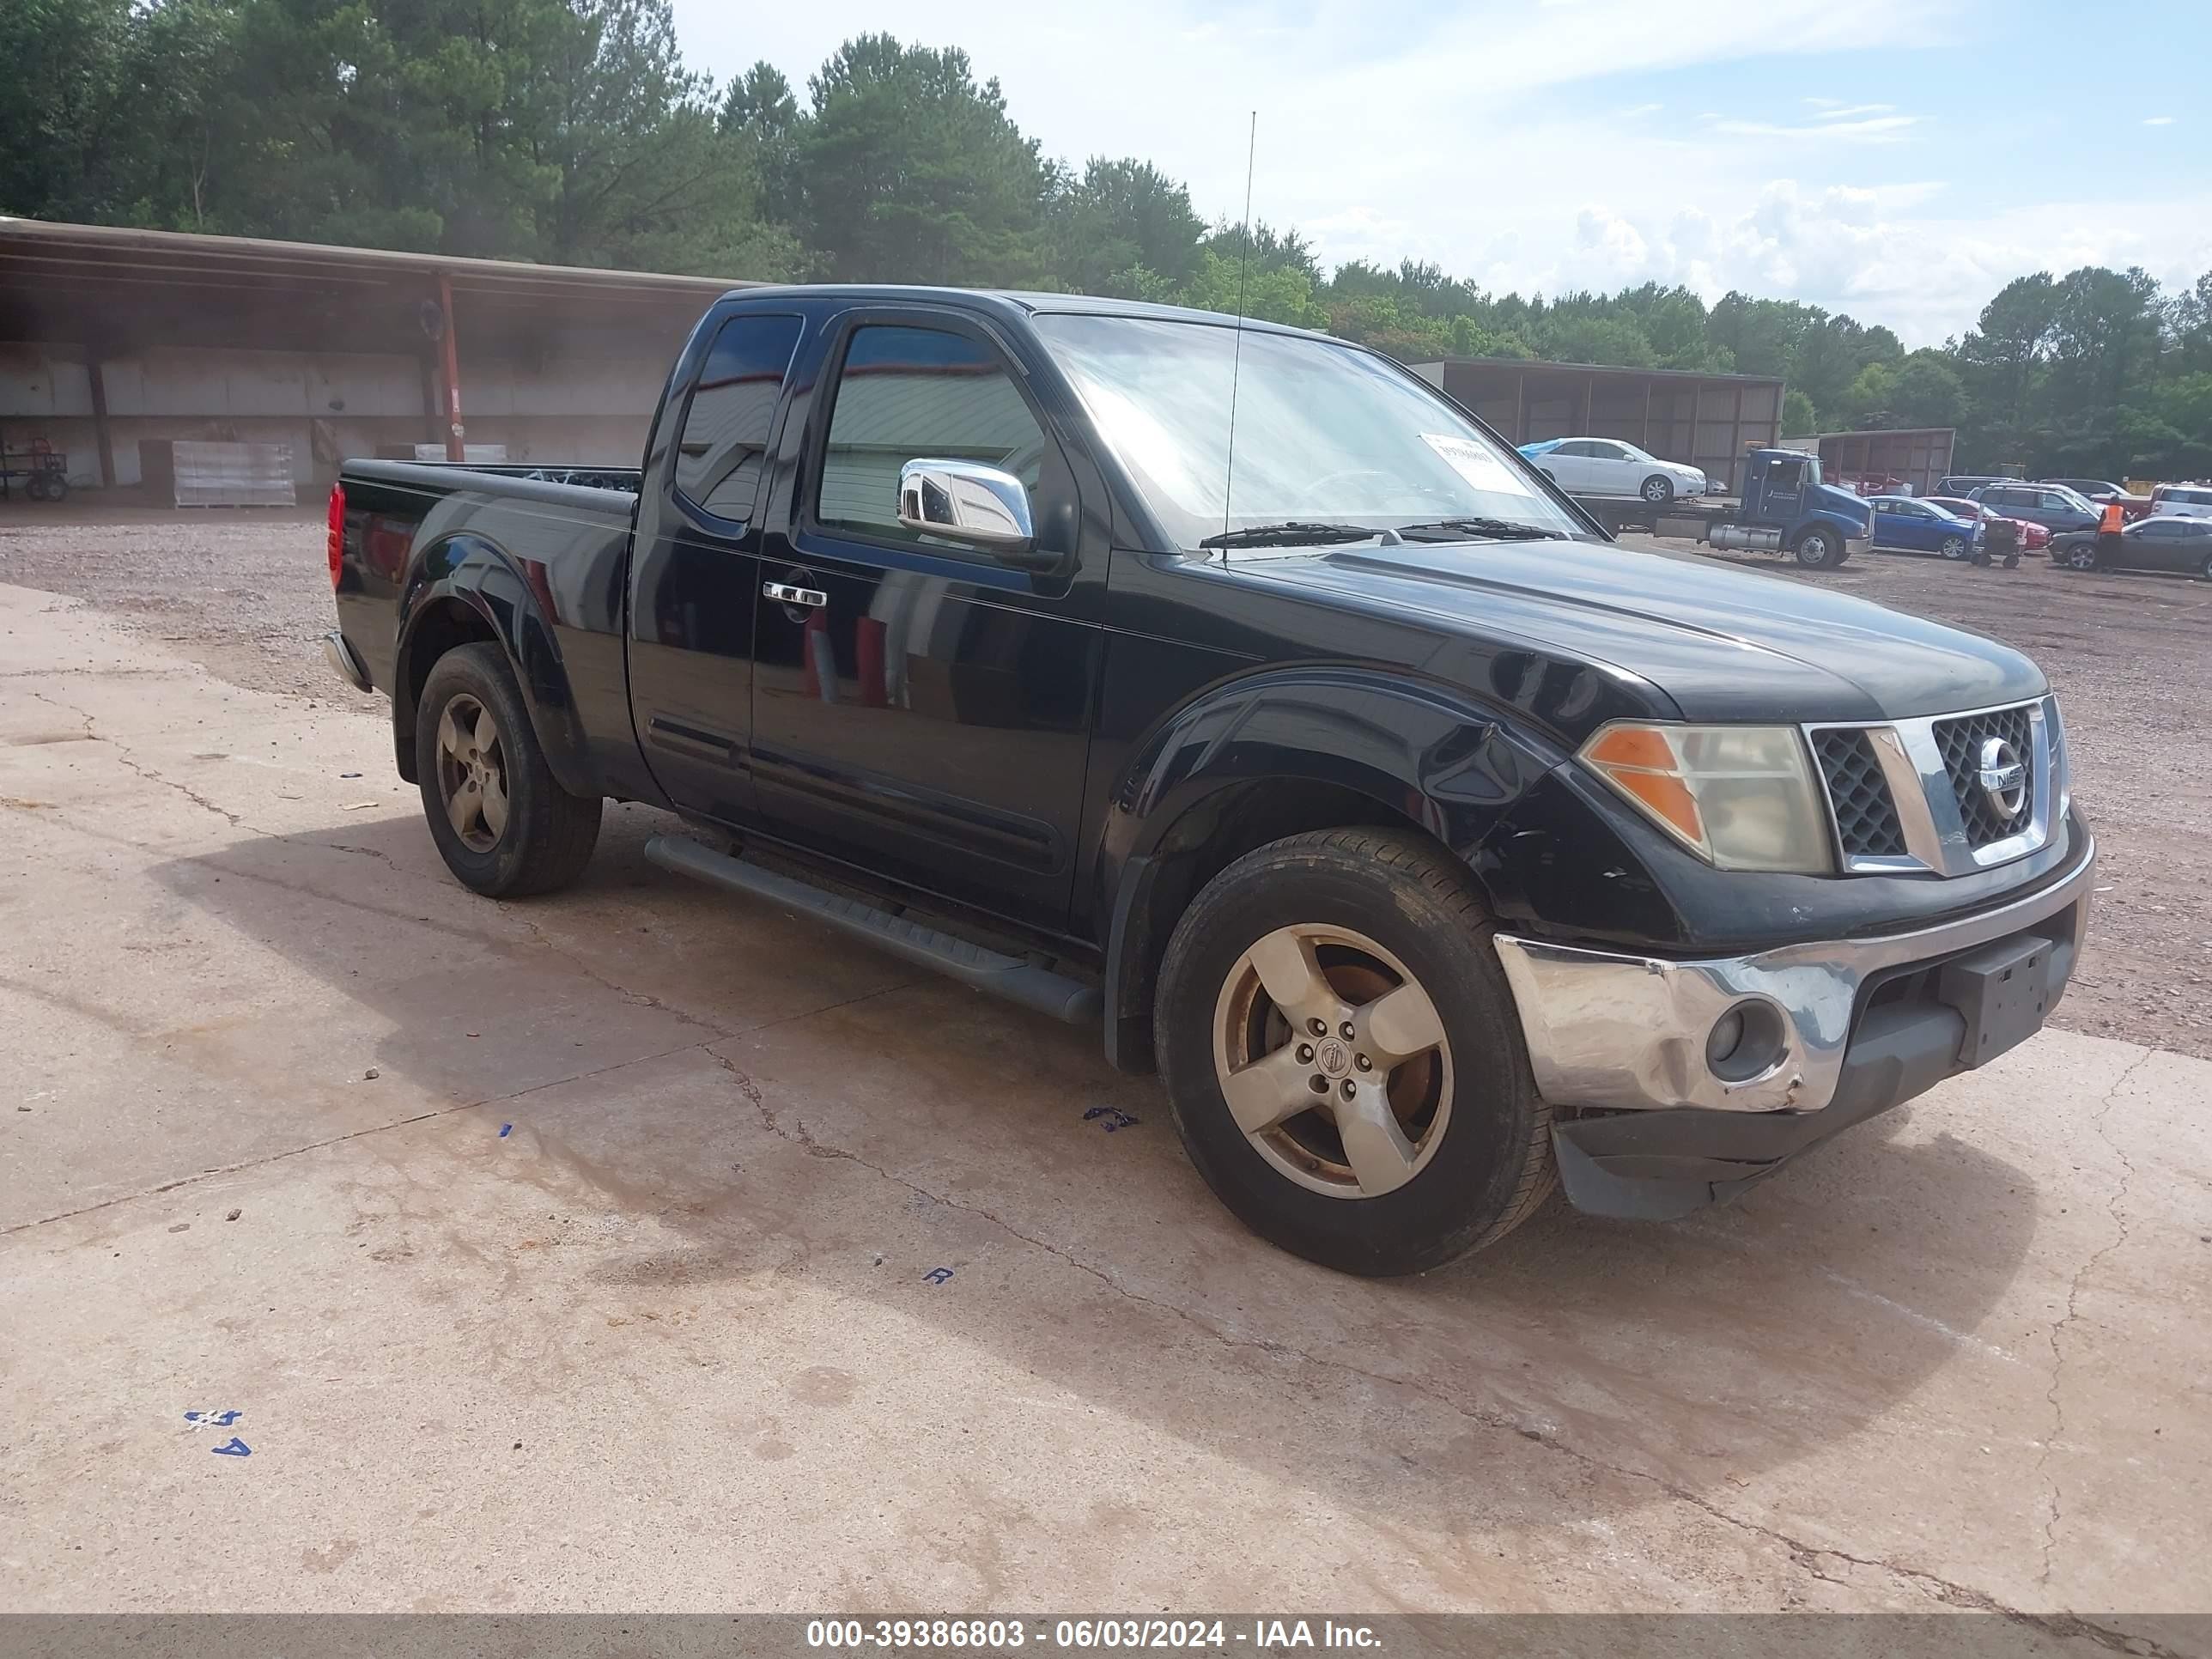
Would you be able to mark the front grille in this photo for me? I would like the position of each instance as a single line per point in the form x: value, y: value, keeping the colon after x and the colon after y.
x: 1959, y: 742
x: 1867, y: 824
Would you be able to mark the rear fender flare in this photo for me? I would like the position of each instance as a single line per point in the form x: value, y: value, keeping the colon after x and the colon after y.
x: 482, y: 576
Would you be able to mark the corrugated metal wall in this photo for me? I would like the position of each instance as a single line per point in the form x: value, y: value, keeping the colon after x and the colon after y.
x: 326, y: 405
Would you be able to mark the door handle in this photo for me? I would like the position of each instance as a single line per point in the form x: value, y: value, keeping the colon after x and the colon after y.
x: 813, y: 598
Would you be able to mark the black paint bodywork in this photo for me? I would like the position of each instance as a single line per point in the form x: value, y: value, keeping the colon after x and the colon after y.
x: 1077, y: 743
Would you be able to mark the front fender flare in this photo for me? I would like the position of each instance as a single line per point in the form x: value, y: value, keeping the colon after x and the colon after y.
x: 1420, y: 752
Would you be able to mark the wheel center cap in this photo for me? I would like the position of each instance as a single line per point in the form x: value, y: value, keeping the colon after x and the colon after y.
x: 1332, y: 1057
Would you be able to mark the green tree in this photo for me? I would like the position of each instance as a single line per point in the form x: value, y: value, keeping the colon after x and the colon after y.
x: 913, y: 172
x: 1799, y: 419
x: 1123, y: 227
x: 759, y: 106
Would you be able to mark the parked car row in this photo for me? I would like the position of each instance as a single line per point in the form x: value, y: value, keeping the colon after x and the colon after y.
x: 2168, y: 542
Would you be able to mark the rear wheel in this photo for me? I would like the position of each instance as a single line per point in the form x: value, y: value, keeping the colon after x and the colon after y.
x: 1658, y: 489
x: 503, y: 825
x: 1342, y: 1055
x: 2205, y: 569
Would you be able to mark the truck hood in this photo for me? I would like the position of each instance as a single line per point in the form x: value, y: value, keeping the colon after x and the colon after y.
x: 1721, y: 644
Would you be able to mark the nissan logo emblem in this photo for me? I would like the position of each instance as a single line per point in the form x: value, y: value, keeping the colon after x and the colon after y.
x: 2003, y: 778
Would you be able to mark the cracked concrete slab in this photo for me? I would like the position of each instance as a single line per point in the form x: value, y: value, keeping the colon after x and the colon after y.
x: 681, y: 1255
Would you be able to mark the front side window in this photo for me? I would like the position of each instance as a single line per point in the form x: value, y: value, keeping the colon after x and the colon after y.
x: 1324, y: 432
x: 907, y: 394
x: 719, y: 459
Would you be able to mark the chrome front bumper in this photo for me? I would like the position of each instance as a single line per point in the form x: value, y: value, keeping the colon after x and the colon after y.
x: 1630, y: 1031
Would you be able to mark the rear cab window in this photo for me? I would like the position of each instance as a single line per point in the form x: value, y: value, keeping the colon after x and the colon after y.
x: 720, y: 453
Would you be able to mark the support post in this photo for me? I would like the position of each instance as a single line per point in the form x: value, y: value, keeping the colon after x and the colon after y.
x: 456, y: 433
x: 1643, y: 440
x: 102, y: 436
x: 1735, y: 436
x: 1520, y: 408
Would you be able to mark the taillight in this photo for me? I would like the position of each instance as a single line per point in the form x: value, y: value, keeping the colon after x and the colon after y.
x: 337, y: 533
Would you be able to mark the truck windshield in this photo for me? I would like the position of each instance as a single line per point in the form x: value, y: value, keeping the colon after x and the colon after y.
x: 1325, y: 435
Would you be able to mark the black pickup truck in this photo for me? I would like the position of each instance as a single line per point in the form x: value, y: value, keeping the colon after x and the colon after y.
x: 1235, y: 689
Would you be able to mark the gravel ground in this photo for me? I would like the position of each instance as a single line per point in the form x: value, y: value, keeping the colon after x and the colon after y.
x: 245, y: 595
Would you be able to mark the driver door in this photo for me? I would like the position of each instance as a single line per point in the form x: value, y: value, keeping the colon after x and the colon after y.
x: 921, y: 707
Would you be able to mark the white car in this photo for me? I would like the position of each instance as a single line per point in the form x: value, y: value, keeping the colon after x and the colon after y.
x: 1607, y: 466
x: 2181, y: 501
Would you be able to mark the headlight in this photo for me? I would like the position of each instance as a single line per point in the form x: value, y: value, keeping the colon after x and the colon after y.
x: 1740, y: 797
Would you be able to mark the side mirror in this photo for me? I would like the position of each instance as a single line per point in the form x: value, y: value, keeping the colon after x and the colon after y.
x: 967, y: 502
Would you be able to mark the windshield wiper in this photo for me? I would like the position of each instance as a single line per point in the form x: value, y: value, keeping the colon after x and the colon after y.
x: 1496, y: 529
x: 1294, y: 532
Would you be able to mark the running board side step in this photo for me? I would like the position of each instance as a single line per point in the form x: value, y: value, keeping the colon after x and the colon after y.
x: 1026, y: 982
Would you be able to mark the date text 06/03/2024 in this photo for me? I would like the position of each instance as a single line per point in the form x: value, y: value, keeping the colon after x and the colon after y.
x: 1115, y: 1634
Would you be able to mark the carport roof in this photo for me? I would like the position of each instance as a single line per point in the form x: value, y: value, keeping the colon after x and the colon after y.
x: 114, y: 286
x: 1599, y: 371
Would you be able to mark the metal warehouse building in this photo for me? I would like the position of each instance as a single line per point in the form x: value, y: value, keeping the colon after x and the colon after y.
x: 1707, y: 421
x: 112, y: 336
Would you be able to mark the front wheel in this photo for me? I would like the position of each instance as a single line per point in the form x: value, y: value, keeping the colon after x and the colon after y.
x: 1819, y: 549
x: 1342, y: 1055
x: 2205, y: 569
x: 1658, y: 489
x: 2082, y: 556
x: 1953, y: 547
x: 503, y: 825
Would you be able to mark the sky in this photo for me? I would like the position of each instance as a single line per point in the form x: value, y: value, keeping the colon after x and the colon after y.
x: 1898, y: 159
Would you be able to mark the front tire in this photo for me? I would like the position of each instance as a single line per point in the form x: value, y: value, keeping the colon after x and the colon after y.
x: 2082, y: 556
x: 1658, y: 489
x: 1953, y: 547
x: 1360, y: 958
x: 505, y: 828
x: 1819, y: 549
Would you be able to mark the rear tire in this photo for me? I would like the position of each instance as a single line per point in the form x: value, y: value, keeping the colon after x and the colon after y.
x: 1437, y: 1145
x: 505, y: 828
x: 1658, y: 489
x: 2205, y: 569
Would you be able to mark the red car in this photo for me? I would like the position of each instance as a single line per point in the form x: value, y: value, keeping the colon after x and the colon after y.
x: 2034, y: 537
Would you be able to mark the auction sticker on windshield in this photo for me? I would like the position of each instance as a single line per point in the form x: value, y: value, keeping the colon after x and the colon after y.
x: 1474, y: 462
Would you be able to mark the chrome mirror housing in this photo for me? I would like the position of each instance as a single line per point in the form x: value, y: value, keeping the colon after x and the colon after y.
x: 967, y: 502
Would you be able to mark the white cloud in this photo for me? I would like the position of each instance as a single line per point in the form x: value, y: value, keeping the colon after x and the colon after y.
x: 1485, y: 136
x: 2158, y: 121
x: 1879, y: 129
x: 1891, y: 256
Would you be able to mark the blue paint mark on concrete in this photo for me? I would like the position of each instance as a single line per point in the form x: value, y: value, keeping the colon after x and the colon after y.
x: 938, y: 1275
x: 237, y: 1448
x: 505, y: 1129
x: 222, y: 1419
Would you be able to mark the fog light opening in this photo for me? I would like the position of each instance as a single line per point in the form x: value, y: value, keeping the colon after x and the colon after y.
x: 1745, y: 1043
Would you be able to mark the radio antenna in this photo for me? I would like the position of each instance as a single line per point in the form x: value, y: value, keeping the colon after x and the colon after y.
x: 1237, y: 353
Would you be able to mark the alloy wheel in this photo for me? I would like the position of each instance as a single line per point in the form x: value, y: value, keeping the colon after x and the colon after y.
x: 1334, y: 1060
x: 472, y: 772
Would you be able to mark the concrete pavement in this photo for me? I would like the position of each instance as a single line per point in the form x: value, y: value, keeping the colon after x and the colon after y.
x: 679, y: 1256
